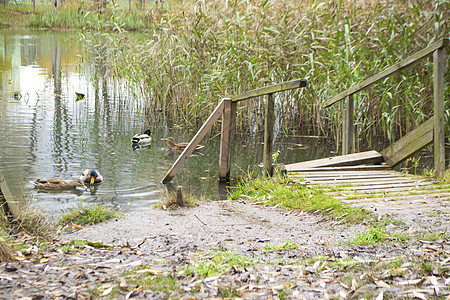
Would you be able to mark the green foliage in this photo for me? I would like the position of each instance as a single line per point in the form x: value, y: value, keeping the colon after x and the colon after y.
x: 199, y: 52
x: 291, y: 195
x: 285, y: 246
x: 375, y: 236
x: 217, y: 262
x: 88, y: 215
x: 370, y: 237
x: 228, y: 292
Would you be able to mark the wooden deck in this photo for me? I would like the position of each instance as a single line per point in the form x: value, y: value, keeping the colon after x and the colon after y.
x: 373, y: 186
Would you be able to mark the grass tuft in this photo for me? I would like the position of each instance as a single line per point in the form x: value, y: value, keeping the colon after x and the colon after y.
x: 88, y: 215
x: 291, y: 195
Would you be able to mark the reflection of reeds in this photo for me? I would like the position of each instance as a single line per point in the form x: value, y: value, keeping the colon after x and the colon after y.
x: 198, y: 53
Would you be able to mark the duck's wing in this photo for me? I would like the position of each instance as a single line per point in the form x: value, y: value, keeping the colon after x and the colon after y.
x: 56, y: 180
x: 85, y: 175
x: 51, y: 180
x: 139, y: 137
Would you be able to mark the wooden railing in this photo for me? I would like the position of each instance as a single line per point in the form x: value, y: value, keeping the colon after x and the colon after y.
x: 437, y: 50
x: 227, y: 109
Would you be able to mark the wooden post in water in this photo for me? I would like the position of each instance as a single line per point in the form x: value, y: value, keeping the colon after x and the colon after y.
x: 226, y: 138
x: 439, y: 121
x: 268, y: 135
x: 348, y: 138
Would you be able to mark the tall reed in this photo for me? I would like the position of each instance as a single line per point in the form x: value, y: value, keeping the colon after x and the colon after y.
x: 199, y: 52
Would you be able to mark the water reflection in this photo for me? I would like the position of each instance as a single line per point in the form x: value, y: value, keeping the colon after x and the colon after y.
x: 46, y: 130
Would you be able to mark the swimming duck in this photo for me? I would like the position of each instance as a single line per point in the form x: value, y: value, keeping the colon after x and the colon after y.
x: 180, y: 146
x: 91, y: 176
x: 142, y: 138
x: 58, y: 183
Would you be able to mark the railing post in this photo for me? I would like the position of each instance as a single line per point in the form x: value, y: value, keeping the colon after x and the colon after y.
x: 226, y: 138
x: 348, y: 138
x: 439, y: 121
x: 268, y: 135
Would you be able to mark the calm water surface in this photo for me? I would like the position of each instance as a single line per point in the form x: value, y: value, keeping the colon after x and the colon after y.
x: 46, y: 132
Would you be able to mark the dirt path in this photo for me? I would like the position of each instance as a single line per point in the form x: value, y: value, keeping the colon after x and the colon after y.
x: 169, y: 242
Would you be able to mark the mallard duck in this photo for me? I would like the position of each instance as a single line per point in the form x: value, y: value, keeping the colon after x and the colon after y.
x: 180, y: 146
x: 142, y: 138
x: 91, y: 176
x: 58, y: 183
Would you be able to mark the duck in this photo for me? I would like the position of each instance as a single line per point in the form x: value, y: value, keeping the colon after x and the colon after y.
x: 91, y: 176
x: 58, y: 183
x: 142, y: 138
x: 180, y: 146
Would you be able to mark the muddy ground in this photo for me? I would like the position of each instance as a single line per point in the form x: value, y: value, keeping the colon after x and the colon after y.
x: 322, y: 265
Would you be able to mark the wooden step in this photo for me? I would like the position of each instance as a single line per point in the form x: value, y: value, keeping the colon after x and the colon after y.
x: 355, y: 159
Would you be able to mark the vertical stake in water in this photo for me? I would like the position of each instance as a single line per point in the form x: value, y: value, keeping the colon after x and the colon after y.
x: 268, y: 135
x: 439, y: 121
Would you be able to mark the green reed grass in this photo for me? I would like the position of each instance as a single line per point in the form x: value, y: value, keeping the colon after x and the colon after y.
x: 198, y: 52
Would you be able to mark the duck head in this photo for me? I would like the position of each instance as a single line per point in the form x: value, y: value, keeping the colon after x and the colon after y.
x: 93, y: 175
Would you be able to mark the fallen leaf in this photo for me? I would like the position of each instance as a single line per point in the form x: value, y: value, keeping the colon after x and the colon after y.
x: 354, y: 285
x: 420, y: 296
x: 380, y: 296
x: 410, y: 282
x: 433, y: 280
x: 382, y: 284
x: 107, y: 291
x: 76, y: 226
x: 149, y: 270
x: 43, y: 260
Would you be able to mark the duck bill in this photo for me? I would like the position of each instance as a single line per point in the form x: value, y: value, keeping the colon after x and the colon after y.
x: 92, y: 180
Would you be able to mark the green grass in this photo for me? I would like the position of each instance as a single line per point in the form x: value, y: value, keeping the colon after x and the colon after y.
x: 76, y: 245
x: 290, y: 195
x: 216, y: 262
x: 88, y: 215
x: 376, y: 235
x: 284, y: 246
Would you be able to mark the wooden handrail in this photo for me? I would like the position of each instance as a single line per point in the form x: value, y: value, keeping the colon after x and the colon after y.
x: 194, y: 142
x: 227, y: 109
x: 437, y: 50
x: 279, y: 87
x: 389, y: 71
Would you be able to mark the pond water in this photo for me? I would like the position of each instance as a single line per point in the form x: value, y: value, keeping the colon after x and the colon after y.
x: 46, y: 131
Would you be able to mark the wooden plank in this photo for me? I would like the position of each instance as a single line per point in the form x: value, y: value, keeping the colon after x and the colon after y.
x: 347, y: 126
x: 439, y: 120
x: 361, y: 181
x: 279, y: 87
x: 409, y: 144
x: 365, y: 176
x: 194, y: 142
x: 351, y: 178
x: 340, y: 169
x: 226, y: 138
x: 268, y: 135
x: 350, y: 173
x: 343, y: 160
x: 389, y: 71
x: 404, y: 186
x: 8, y: 203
